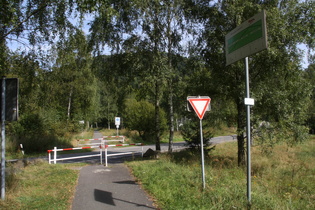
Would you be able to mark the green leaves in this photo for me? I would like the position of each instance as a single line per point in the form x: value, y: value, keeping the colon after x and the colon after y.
x: 140, y: 115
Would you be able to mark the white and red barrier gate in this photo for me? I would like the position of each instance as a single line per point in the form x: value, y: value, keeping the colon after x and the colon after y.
x: 55, y: 150
x: 103, y: 140
x: 89, y: 142
x: 114, y: 138
x: 76, y: 157
x: 122, y: 153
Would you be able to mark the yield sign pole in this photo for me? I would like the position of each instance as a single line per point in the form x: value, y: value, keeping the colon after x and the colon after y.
x: 200, y: 105
x: 202, y: 158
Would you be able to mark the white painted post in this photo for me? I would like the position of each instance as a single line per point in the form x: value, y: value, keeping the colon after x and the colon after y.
x: 49, y: 158
x: 105, y: 156
x: 21, y: 146
x: 55, y: 155
x: 101, y: 154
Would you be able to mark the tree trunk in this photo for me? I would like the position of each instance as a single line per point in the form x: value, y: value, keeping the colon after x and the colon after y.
x: 170, y: 99
x: 240, y: 134
x: 157, y: 117
x: 241, y: 149
x: 69, y: 104
x: 171, y: 137
x: 108, y: 120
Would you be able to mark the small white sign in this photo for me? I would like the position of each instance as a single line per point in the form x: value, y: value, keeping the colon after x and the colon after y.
x: 117, y: 121
x: 249, y: 101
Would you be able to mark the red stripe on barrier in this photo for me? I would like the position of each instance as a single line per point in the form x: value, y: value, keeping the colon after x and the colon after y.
x: 67, y: 149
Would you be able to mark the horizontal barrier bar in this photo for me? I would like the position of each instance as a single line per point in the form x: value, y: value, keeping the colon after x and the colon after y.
x: 124, y: 153
x: 55, y: 150
x: 123, y: 138
x: 78, y: 157
x: 123, y: 145
x: 76, y: 148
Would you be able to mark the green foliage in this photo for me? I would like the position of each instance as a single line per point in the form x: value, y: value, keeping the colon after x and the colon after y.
x: 191, y: 134
x: 276, y: 79
x: 140, y: 115
x: 161, y: 51
x: 310, y: 77
x: 37, y: 133
x: 75, y: 86
x: 268, y: 135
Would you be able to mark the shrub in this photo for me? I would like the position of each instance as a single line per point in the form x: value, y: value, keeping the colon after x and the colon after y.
x: 36, y: 133
x: 191, y: 134
x: 140, y: 116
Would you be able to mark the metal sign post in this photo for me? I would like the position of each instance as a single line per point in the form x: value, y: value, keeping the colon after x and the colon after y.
x: 202, y: 158
x: 247, y: 104
x: 9, y: 112
x: 3, y: 138
x: 200, y: 104
x: 248, y: 38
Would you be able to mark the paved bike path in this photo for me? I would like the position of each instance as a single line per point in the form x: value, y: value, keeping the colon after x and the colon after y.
x: 109, y: 188
x: 113, y: 187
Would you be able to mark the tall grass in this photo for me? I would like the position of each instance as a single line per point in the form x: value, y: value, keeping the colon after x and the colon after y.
x: 41, y: 186
x: 283, y: 179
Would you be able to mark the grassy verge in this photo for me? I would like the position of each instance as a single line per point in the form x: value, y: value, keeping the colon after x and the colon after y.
x: 41, y: 186
x: 223, y: 131
x: 282, y: 180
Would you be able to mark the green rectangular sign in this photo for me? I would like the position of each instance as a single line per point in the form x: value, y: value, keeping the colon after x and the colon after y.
x: 245, y: 37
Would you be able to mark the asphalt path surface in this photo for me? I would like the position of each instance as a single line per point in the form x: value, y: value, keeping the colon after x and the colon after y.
x: 114, y: 187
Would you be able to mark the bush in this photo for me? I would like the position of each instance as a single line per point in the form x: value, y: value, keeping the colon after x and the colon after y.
x: 268, y: 135
x: 36, y: 133
x: 191, y: 134
x: 140, y: 116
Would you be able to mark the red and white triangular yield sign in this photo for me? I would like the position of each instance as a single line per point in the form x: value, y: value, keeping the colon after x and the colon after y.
x: 200, y: 104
